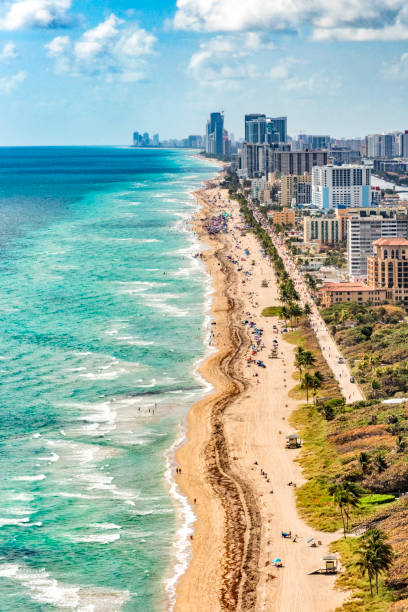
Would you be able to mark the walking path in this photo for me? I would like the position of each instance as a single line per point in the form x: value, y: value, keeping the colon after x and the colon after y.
x: 350, y: 391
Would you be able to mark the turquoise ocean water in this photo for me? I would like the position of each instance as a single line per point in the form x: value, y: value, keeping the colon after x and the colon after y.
x: 103, y: 318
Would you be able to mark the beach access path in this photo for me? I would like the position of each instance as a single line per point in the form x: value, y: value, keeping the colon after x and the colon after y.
x: 255, y: 426
x: 350, y: 391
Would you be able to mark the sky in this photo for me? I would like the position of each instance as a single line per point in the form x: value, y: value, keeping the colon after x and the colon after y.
x: 78, y: 72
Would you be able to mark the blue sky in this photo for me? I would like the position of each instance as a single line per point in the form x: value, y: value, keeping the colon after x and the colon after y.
x: 86, y: 72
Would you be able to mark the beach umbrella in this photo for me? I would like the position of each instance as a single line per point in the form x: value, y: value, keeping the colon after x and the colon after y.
x: 276, y: 561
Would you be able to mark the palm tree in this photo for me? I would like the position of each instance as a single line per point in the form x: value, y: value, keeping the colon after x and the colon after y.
x: 307, y: 382
x: 284, y: 314
x: 364, y: 459
x: 345, y: 495
x: 376, y: 555
x: 366, y: 565
x: 375, y: 386
x: 317, y: 382
x: 380, y: 462
x: 401, y: 444
x: 308, y: 359
x: 295, y: 311
x: 299, y: 359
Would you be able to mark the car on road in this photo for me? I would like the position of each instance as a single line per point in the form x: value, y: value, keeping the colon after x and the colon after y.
x: 352, y: 379
x: 340, y: 360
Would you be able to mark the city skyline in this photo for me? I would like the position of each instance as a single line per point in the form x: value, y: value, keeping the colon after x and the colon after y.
x: 75, y: 74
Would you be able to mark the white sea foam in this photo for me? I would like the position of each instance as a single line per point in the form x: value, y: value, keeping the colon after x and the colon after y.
x: 45, y: 589
x: 23, y: 497
x: 14, y: 521
x: 97, y: 538
x: 30, y: 478
x: 182, y: 547
x: 53, y: 457
x: 105, y: 526
x: 185, y: 512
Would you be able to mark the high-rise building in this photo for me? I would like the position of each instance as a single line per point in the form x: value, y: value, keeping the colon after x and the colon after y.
x: 260, y: 129
x: 298, y: 162
x: 363, y: 231
x: 404, y: 144
x: 156, y: 140
x: 276, y: 129
x: 215, y: 134
x: 387, y: 268
x: 141, y: 140
x: 312, y: 141
x: 195, y: 141
x: 381, y: 145
x: 341, y: 187
x: 251, y: 127
x: 296, y: 190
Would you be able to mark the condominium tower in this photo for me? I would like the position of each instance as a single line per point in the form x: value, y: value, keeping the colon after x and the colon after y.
x: 341, y: 187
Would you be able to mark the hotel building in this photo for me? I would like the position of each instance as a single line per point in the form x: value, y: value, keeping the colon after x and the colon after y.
x: 341, y: 187
x: 387, y: 268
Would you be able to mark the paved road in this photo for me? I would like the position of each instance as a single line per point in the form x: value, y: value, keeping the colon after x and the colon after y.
x: 341, y: 372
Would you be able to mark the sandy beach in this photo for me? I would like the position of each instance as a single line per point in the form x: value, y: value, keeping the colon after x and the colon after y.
x: 235, y: 468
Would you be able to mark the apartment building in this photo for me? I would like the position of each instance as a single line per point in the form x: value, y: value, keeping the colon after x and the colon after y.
x: 283, y: 217
x: 327, y: 230
x: 387, y: 268
x: 362, y: 232
x: 296, y: 190
x: 341, y: 187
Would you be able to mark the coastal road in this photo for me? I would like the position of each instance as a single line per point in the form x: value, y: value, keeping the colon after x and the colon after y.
x: 350, y: 391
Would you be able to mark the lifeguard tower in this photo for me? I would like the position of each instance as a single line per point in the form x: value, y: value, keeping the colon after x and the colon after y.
x: 331, y: 563
x: 293, y: 441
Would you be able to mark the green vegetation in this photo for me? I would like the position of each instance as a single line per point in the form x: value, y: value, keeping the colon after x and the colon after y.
x: 353, y: 580
x: 271, y: 311
x: 374, y: 340
x: 346, y: 496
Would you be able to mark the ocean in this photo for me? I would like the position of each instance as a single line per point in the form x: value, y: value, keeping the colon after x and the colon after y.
x: 103, y: 319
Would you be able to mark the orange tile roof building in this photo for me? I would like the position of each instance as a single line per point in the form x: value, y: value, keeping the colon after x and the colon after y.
x: 336, y: 293
x: 388, y: 268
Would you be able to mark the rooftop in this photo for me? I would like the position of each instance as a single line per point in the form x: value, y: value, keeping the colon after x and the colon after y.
x: 347, y: 286
x: 391, y: 242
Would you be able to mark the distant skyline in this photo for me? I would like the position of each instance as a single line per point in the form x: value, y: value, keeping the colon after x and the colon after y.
x: 81, y: 72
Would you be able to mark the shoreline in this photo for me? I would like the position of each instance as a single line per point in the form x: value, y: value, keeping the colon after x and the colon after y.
x: 212, y: 458
x: 184, y: 509
x: 238, y: 522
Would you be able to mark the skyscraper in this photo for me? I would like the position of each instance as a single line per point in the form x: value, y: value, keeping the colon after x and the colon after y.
x: 260, y: 129
x: 251, y: 128
x: 215, y: 134
x: 276, y: 129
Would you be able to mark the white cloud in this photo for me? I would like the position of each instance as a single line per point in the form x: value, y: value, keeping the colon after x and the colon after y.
x: 398, y: 69
x: 34, y: 14
x: 113, y: 49
x: 8, y: 84
x: 8, y: 52
x: 291, y: 78
x: 342, y: 19
x: 223, y: 61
